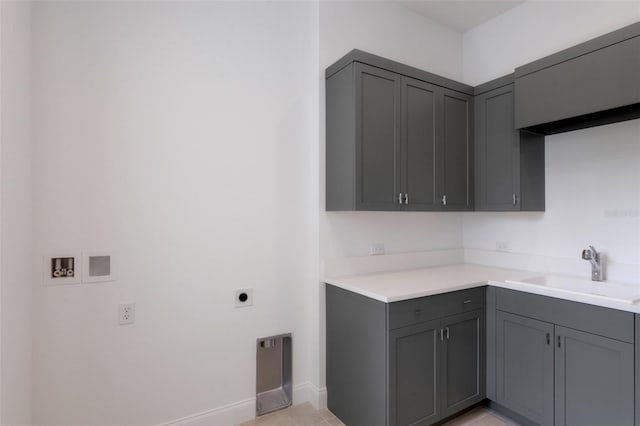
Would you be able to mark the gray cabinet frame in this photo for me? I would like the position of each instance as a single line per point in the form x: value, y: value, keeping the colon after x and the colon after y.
x: 509, y: 164
x: 525, y: 354
x: 591, y: 356
x: 589, y: 84
x: 370, y: 130
x: 378, y: 352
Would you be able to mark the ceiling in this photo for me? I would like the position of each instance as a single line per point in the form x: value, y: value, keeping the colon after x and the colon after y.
x: 461, y: 15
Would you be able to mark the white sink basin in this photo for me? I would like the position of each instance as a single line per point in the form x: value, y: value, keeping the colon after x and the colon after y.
x: 593, y: 289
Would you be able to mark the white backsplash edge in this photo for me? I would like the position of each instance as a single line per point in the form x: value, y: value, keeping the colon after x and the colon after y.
x: 345, y: 266
x: 613, y: 271
x: 358, y: 265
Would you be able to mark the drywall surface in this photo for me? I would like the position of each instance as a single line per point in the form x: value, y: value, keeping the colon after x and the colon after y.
x: 592, y: 178
x: 15, y: 214
x: 182, y: 136
x: 536, y: 29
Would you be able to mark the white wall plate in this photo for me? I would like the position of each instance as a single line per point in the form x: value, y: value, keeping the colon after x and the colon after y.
x: 98, y: 266
x: 64, y: 271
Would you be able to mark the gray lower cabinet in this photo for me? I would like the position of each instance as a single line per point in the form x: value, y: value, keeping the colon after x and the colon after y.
x: 509, y: 164
x: 564, y: 363
x: 394, y: 142
x: 463, y: 357
x: 435, y: 368
x: 413, y: 374
x: 594, y: 383
x: 413, y: 362
x: 524, y: 377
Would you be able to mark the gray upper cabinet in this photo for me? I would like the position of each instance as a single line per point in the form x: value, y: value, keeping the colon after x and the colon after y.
x: 419, y: 144
x: 597, y: 80
x: 397, y: 138
x: 509, y: 164
x: 377, y: 138
x: 456, y: 151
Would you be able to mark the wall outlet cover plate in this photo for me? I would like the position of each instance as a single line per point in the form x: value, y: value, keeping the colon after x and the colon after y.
x: 48, y: 260
x: 99, y: 266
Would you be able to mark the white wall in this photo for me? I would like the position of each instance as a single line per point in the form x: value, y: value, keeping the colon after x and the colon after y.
x: 184, y: 137
x: 592, y: 178
x: 15, y: 214
x: 536, y: 29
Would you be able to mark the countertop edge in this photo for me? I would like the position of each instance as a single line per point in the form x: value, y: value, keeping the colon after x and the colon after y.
x: 456, y: 285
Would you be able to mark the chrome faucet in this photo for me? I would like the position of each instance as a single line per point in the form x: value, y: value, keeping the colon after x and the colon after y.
x: 593, y: 256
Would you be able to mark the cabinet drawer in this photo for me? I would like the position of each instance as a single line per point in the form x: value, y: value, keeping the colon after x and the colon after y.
x: 598, y: 320
x: 422, y: 309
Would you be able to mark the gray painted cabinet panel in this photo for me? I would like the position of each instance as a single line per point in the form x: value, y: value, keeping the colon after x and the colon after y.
x: 413, y: 374
x: 356, y: 358
x: 557, y: 374
x: 506, y: 177
x: 377, y: 138
x: 593, y: 380
x: 462, y: 361
x: 524, y: 359
x: 455, y: 151
x: 416, y: 374
x: 395, y: 143
x: 600, y: 80
x: 419, y: 144
x: 637, y: 368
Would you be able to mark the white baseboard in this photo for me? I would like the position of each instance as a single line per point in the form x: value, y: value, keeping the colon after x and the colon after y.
x: 245, y: 410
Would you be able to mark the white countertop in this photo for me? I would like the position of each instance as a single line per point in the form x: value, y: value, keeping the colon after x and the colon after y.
x: 402, y: 285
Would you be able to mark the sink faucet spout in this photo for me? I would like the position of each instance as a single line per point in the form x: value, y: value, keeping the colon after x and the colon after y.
x: 594, y: 258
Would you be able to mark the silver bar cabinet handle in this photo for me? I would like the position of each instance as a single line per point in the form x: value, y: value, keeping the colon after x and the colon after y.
x: 515, y: 198
x: 447, y: 331
x: 400, y: 198
x: 444, y: 200
x: 406, y: 198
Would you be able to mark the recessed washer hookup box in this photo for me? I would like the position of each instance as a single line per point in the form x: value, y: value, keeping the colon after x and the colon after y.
x: 273, y: 373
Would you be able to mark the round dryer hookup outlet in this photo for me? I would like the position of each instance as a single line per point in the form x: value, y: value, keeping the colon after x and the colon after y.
x: 243, y: 297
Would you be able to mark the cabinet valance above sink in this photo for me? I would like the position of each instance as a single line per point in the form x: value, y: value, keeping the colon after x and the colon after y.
x: 593, y: 83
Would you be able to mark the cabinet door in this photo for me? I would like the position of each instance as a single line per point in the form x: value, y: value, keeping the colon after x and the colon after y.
x: 455, y: 151
x: 594, y: 379
x: 462, y: 361
x: 413, y: 376
x: 418, y: 144
x: 377, y: 138
x: 524, y: 366
x: 497, y: 153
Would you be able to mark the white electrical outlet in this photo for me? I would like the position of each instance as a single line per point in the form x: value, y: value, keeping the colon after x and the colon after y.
x: 377, y: 249
x: 126, y: 313
x: 502, y: 246
x: 243, y: 297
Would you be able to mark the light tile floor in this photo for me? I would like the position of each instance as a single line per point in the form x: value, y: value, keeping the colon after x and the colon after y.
x: 306, y: 415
